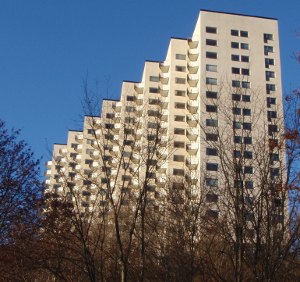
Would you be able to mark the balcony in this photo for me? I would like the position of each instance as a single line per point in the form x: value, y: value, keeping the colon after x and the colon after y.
x: 115, y: 139
x: 192, y: 134
x: 95, y: 165
x: 192, y: 163
x: 192, y: 93
x: 193, y: 67
x: 164, y: 140
x: 78, y: 158
x: 95, y: 144
x: 192, y: 106
x: 192, y: 178
x: 116, y: 128
x: 77, y: 167
x: 95, y: 154
x: 164, y: 116
x: 138, y: 134
x: 164, y: 67
x: 49, y: 164
x: 192, y: 148
x: 164, y: 90
x: 193, y: 44
x: 191, y: 120
x: 79, y: 138
x: 164, y: 78
x: 139, y: 99
x: 162, y: 168
x: 193, y: 54
x: 162, y: 153
x: 114, y: 150
x: 161, y: 181
x: 193, y: 80
x: 139, y: 88
x: 63, y: 151
x: 135, y: 158
x: 113, y: 162
x: 117, y: 107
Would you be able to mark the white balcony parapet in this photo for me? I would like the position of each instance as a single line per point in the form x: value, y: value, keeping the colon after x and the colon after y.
x: 139, y: 88
x: 192, y: 106
x: 164, y: 78
x: 63, y: 151
x: 164, y: 67
x: 192, y: 93
x: 192, y: 148
x: 164, y: 90
x: 193, y: 54
x: 49, y: 164
x: 193, y: 67
x: 192, y: 162
x: 193, y: 80
x: 192, y: 134
x: 192, y: 120
x: 193, y: 43
x: 79, y: 137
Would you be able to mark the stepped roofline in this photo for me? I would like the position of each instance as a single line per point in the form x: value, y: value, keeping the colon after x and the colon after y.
x: 236, y: 14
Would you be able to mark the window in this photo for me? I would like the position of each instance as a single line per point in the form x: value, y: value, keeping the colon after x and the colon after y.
x: 235, y: 58
x: 245, y: 59
x: 211, y: 68
x: 246, y: 98
x: 236, y: 83
x: 211, y: 152
x: 109, y: 126
x: 243, y: 33
x: 237, y: 139
x: 179, y: 93
x: 247, y: 154
x: 178, y: 172
x: 268, y: 49
x: 235, y: 70
x: 249, y: 184
x: 153, y: 125
x: 210, y: 29
x: 247, y: 140
x: 272, y: 128
x: 179, y: 118
x: 274, y: 157
x: 268, y: 36
x: 153, y: 113
x: 246, y: 84
x: 211, y: 42
x: 211, y: 109
x: 244, y: 46
x: 236, y: 124
x: 179, y: 105
x: 272, y: 114
x: 211, y: 137
x: 212, y: 166
x: 270, y: 74
x: 234, y: 32
x: 178, y: 144
x: 238, y: 184
x: 236, y: 154
x: 248, y: 170
x: 180, y: 56
x: 245, y: 72
x: 212, y: 122
x: 178, y: 158
x: 129, y: 120
x: 153, y: 101
x: 130, y: 109
x: 154, y: 78
x: 179, y: 131
x: 130, y: 98
x: 91, y: 131
x: 269, y: 62
x: 211, y: 81
x: 180, y: 80
x: 236, y: 111
x: 211, y: 198
x: 180, y: 68
x: 211, y: 94
x: 153, y: 90
x: 211, y: 55
x: 247, y: 126
x: 236, y: 97
x: 247, y: 112
x: 212, y: 214
x: 109, y: 115
x: 271, y: 101
x: 211, y: 182
x: 270, y: 87
x: 235, y: 45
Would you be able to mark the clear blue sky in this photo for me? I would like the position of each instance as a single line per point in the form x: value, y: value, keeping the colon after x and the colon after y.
x: 48, y: 47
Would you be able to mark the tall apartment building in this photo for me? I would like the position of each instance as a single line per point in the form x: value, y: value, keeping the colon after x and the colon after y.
x: 218, y: 92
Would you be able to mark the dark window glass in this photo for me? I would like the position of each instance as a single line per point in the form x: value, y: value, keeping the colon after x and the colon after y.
x: 212, y: 122
x: 211, y: 166
x: 211, y: 55
x: 235, y: 70
x: 211, y: 152
x: 211, y: 137
x: 243, y: 33
x: 246, y: 98
x: 211, y: 94
x: 211, y: 42
x: 236, y: 97
x: 210, y: 29
x: 234, y: 32
x: 245, y: 59
x: 236, y: 111
x: 235, y: 58
x: 211, y: 108
x: 247, y: 112
x: 235, y: 45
